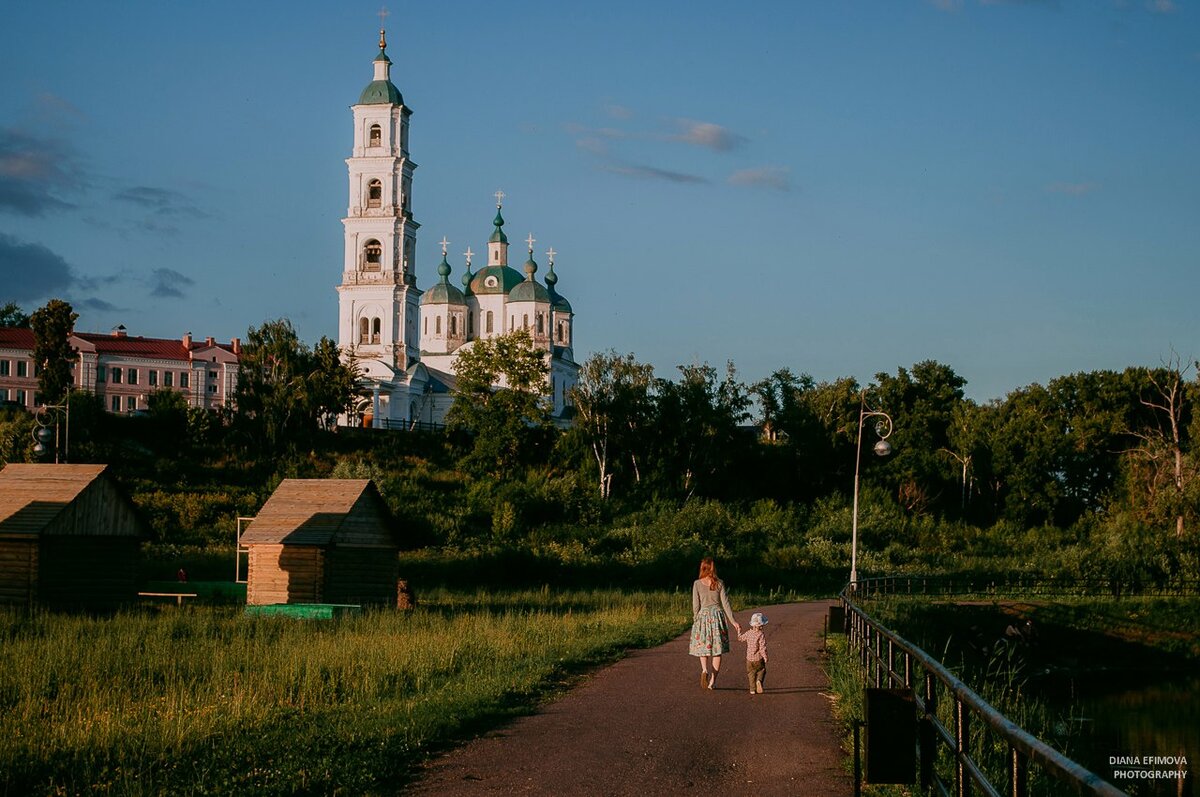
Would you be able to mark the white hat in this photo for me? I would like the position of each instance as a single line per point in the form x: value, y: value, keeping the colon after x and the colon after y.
x: 758, y: 618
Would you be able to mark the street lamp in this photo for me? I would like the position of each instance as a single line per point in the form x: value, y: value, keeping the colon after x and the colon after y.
x: 883, y: 428
x: 45, y: 431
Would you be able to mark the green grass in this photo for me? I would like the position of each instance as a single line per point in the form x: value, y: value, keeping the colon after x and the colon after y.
x: 205, y: 700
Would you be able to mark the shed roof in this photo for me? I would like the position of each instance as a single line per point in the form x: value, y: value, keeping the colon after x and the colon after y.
x: 33, y: 495
x: 324, y: 512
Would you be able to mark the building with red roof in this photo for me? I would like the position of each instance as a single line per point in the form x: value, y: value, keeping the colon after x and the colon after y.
x: 124, y: 370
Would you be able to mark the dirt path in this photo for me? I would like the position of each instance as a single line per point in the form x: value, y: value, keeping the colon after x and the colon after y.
x: 644, y: 726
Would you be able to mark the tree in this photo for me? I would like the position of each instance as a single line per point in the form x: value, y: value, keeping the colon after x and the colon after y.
x: 287, y: 392
x: 11, y: 315
x: 500, y: 401
x: 612, y: 400
x: 52, y: 326
x: 698, y: 420
x: 1162, y: 463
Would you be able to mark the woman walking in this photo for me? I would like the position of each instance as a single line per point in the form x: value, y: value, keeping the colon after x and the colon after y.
x: 711, y: 618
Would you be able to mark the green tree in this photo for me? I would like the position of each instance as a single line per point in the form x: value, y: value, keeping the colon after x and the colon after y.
x: 52, y: 326
x: 1164, y: 470
x: 500, y: 401
x: 286, y: 392
x: 11, y: 315
x: 612, y: 401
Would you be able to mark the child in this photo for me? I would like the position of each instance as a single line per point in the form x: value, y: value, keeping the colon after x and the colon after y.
x: 756, y: 652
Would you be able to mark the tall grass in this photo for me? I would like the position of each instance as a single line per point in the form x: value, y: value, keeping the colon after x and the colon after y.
x: 206, y: 700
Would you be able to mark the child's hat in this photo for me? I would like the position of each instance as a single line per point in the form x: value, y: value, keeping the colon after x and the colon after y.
x: 758, y: 618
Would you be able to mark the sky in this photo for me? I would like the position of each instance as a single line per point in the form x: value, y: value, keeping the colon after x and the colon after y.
x: 837, y: 187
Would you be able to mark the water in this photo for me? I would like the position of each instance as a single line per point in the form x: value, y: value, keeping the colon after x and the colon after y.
x: 1123, y: 733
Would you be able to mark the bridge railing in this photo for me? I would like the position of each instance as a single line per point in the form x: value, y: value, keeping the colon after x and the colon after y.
x: 887, y: 660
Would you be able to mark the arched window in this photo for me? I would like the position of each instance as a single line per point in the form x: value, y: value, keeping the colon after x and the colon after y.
x: 489, y: 322
x: 427, y: 325
x: 541, y: 324
x: 373, y: 255
x: 496, y: 255
x: 525, y: 322
x: 364, y: 330
x: 453, y: 325
x: 374, y: 193
x: 470, y: 323
x: 375, y: 139
x: 437, y: 325
x: 375, y: 329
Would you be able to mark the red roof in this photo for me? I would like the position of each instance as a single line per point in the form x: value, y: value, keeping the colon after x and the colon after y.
x: 123, y: 345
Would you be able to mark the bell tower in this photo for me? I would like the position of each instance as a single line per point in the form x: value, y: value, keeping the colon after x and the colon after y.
x: 378, y: 299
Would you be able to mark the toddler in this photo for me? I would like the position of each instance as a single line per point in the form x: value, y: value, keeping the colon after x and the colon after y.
x: 756, y: 652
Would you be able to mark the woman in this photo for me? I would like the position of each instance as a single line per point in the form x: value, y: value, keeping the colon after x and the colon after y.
x: 710, y: 611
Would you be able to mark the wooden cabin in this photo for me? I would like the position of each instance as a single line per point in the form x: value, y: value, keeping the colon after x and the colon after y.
x: 323, y: 541
x: 69, y: 538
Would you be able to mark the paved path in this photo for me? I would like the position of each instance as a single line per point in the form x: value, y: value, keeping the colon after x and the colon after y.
x: 645, y: 727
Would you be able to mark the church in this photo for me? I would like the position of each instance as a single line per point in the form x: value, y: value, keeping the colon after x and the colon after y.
x: 406, y: 340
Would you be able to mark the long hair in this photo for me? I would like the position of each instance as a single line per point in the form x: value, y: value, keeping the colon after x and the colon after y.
x: 708, y: 572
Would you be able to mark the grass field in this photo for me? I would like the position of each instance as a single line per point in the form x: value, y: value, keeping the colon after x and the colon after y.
x: 205, y: 700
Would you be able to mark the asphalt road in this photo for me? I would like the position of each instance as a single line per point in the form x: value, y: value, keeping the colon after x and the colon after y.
x: 643, y: 726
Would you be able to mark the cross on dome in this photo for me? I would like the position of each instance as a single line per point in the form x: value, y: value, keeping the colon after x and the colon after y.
x: 383, y: 15
x: 445, y: 243
x: 499, y: 198
x: 469, y: 254
x: 530, y: 241
x: 550, y: 253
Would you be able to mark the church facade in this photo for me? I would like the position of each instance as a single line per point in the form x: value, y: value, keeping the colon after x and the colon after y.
x: 406, y: 340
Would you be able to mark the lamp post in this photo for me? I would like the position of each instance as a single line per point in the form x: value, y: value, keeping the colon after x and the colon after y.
x: 45, y: 430
x: 883, y: 428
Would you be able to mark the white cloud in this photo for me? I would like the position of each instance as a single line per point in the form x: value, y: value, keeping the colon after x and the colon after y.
x: 765, y: 176
x: 707, y: 135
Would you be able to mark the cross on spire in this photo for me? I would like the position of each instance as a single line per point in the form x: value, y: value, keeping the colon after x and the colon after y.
x: 499, y: 198
x: 550, y: 253
x: 469, y: 254
x: 445, y: 243
x: 530, y: 241
x: 383, y: 15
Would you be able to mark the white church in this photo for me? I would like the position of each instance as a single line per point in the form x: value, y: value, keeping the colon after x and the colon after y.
x: 406, y: 340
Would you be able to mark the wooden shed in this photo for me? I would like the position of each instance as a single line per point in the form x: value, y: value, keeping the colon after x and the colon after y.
x: 323, y: 541
x: 68, y: 537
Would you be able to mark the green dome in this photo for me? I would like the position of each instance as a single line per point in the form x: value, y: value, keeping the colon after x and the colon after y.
x: 502, y: 279
x: 560, y: 303
x: 380, y: 92
x: 529, y: 291
x: 498, y: 235
x: 443, y: 293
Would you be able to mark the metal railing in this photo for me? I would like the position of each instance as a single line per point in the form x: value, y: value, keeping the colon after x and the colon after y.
x: 889, y: 661
x: 1021, y: 587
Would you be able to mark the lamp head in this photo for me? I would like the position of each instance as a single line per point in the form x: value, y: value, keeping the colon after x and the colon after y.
x: 883, y: 448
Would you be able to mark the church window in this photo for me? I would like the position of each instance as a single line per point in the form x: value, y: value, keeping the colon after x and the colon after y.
x: 374, y: 193
x: 470, y: 323
x: 496, y: 255
x: 375, y: 330
x: 489, y: 321
x: 374, y: 255
x: 453, y: 325
x: 427, y: 325
x: 364, y: 335
x: 541, y: 324
x: 525, y: 322
x: 437, y: 325
x: 376, y: 136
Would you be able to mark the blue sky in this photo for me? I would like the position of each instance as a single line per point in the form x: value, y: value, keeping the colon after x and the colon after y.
x: 1011, y: 187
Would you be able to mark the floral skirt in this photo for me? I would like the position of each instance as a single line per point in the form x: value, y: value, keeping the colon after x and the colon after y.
x: 710, y: 636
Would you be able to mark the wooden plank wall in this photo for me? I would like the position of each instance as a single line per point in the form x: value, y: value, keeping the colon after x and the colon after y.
x: 285, y: 574
x: 18, y: 572
x: 87, y: 572
x: 100, y: 510
x: 365, y: 576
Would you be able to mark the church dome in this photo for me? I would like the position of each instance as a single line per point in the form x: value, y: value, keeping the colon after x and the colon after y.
x: 529, y: 291
x: 495, y: 279
x: 380, y: 92
x: 443, y: 292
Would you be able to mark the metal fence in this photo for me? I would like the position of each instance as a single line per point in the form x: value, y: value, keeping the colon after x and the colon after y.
x: 889, y: 661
